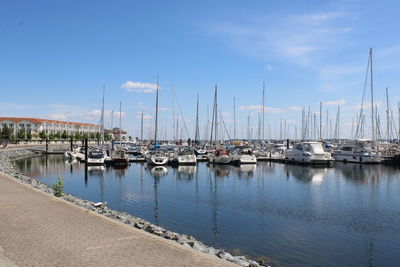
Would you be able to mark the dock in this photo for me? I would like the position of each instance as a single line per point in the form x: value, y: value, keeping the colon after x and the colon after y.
x: 38, y: 229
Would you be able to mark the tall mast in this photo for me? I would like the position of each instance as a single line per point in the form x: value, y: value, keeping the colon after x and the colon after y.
x: 263, y: 110
x: 196, y: 135
x: 173, y: 114
x: 387, y: 116
x: 398, y: 115
x: 320, y: 121
x: 372, y: 97
x: 102, y: 119
x: 120, y: 124
x: 216, y: 113
x: 141, y: 128
x: 234, y: 119
x: 213, y: 117
x: 155, y: 128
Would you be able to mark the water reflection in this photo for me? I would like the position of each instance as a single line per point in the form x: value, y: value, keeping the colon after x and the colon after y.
x: 246, y: 170
x: 307, y: 174
x: 157, y: 171
x: 303, y: 216
x: 220, y: 170
x: 186, y: 172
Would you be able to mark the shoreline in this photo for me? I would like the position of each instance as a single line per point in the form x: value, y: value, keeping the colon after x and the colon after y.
x: 7, y: 168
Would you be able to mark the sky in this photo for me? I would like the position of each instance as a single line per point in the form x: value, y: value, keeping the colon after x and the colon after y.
x: 56, y: 56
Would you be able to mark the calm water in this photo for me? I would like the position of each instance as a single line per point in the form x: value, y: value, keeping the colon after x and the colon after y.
x: 347, y: 215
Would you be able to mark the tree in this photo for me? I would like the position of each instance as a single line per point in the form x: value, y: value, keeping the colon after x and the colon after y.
x: 43, y: 135
x: 29, y: 135
x: 52, y: 137
x: 77, y: 136
x: 92, y: 136
x: 98, y: 136
x: 21, y: 134
x: 5, y: 133
x: 57, y: 135
x: 107, y: 136
x: 64, y: 135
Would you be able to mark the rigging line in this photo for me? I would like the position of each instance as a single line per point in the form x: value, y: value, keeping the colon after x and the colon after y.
x: 362, y: 100
x: 183, y: 118
x: 223, y: 122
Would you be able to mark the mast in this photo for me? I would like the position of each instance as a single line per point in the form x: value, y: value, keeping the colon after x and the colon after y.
x: 213, y: 116
x: 387, y: 116
x: 102, y: 120
x: 173, y: 114
x: 234, y: 119
x: 196, y: 135
x: 263, y: 110
x: 120, y: 129
x: 372, y: 97
x: 320, y: 121
x: 216, y: 113
x: 141, y: 128
x: 156, y: 122
x: 398, y: 115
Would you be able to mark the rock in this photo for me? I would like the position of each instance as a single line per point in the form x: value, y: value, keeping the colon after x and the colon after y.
x: 139, y: 225
x: 200, y: 247
x: 182, y: 239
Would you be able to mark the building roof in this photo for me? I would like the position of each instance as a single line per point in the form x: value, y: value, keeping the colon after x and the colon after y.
x: 38, y: 121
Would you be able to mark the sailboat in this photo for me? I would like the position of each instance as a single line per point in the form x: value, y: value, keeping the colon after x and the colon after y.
x: 118, y: 156
x: 361, y: 150
x: 220, y: 155
x: 158, y: 156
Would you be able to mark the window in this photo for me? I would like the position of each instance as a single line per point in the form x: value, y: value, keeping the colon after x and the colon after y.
x: 298, y: 147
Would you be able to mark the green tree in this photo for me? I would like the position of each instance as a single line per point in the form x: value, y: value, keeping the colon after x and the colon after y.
x: 92, y: 136
x: 57, y: 135
x: 77, y: 136
x: 64, y: 135
x: 58, y: 187
x: 52, y: 137
x: 21, y: 134
x: 43, y: 135
x: 29, y: 135
x: 98, y: 136
x: 5, y: 133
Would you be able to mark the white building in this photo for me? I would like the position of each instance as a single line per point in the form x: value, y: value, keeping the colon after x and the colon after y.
x: 35, y: 126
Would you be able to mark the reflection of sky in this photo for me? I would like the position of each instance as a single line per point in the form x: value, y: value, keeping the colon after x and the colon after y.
x: 298, y: 215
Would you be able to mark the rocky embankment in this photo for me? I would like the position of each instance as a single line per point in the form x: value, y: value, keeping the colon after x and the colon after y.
x: 7, y: 167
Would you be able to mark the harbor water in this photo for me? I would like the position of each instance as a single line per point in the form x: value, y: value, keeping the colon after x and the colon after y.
x: 345, y: 215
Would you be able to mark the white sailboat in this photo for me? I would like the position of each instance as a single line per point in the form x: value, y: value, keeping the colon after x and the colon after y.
x: 157, y: 157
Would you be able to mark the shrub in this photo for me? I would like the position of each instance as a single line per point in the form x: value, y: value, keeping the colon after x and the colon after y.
x: 58, y: 187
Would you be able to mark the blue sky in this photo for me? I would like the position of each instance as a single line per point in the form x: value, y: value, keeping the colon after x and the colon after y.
x: 56, y: 56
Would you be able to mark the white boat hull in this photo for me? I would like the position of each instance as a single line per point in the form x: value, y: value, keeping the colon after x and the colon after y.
x: 356, y: 158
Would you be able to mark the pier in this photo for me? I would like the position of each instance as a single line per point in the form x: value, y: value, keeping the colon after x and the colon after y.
x: 37, y: 229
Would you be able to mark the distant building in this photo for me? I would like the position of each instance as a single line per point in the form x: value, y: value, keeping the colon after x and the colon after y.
x: 35, y: 126
x: 118, y: 134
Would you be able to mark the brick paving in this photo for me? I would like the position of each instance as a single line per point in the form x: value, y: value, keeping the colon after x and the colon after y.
x: 37, y: 229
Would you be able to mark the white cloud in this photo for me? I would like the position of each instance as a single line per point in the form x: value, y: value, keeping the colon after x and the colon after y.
x: 145, y: 117
x: 335, y: 102
x: 58, y: 117
x: 299, y: 38
x: 258, y: 108
x: 225, y: 114
x: 295, y: 108
x: 365, y: 106
x: 139, y: 87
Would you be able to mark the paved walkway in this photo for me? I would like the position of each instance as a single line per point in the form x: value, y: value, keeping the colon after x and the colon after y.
x: 37, y: 229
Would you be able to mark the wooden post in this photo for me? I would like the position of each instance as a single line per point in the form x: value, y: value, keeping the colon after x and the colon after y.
x: 287, y: 143
x: 86, y: 150
x: 47, y: 144
x: 71, y: 144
